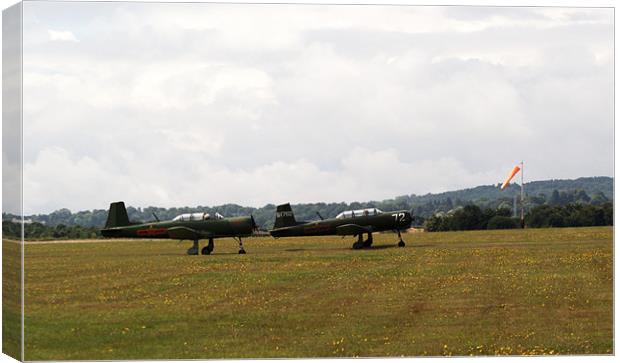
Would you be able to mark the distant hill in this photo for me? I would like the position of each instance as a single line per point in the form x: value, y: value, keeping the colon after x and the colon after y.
x: 591, y: 185
x: 597, y: 189
x: 591, y: 190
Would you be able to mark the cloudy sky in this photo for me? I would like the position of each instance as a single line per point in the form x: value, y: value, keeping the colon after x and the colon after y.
x: 204, y: 104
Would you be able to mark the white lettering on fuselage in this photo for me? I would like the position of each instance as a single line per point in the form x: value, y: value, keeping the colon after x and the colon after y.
x: 399, y: 217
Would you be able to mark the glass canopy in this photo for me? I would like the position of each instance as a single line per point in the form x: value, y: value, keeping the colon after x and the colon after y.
x: 196, y: 217
x: 359, y: 213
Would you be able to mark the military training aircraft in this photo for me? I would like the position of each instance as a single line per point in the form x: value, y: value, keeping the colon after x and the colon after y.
x: 189, y: 226
x: 349, y: 223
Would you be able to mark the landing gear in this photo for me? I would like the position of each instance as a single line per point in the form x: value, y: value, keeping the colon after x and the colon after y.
x: 194, y: 249
x: 360, y: 242
x: 241, y: 250
x: 206, y: 250
x: 401, y: 243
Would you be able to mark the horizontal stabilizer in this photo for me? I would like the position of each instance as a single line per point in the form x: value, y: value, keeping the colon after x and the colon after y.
x: 351, y: 229
x: 187, y: 233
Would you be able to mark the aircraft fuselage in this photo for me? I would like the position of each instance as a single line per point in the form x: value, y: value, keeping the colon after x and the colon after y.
x: 386, y: 221
x: 217, y: 228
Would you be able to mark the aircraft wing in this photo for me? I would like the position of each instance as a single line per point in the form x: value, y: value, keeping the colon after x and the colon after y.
x: 187, y: 233
x: 351, y: 229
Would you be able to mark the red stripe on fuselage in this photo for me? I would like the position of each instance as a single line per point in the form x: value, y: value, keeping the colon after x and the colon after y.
x: 152, y: 232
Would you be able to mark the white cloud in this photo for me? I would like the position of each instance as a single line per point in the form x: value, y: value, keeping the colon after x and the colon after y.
x: 61, y: 36
x: 187, y: 104
x: 364, y: 175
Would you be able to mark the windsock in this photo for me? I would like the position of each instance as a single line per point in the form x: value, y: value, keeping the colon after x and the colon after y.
x: 514, y: 171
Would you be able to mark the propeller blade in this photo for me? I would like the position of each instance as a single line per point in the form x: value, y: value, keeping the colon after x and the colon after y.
x: 254, y: 225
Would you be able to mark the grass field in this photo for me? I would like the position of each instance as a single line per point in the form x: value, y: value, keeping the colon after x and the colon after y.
x: 533, y: 292
x: 11, y: 299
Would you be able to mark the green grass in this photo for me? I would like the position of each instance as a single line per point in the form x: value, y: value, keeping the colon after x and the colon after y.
x: 533, y: 292
x: 11, y: 299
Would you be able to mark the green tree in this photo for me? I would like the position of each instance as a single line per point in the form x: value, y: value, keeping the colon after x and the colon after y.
x: 502, y: 222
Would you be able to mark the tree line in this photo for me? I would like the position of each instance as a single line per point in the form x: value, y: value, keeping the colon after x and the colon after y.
x: 472, y: 217
x: 588, y: 191
x: 35, y: 230
x: 469, y: 217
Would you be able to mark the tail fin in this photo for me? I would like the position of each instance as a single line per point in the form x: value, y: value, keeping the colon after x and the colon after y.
x: 284, y: 216
x: 117, y: 215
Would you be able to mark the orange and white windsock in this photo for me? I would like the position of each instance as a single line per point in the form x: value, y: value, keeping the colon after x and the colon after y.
x: 514, y: 171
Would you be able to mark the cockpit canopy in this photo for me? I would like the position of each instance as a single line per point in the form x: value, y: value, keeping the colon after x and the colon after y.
x: 196, y: 217
x: 359, y: 213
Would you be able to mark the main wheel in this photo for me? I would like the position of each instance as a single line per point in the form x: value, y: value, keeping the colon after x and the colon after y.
x: 358, y: 245
x: 368, y: 243
x: 242, y: 252
x: 192, y: 251
x: 206, y: 250
x: 401, y: 244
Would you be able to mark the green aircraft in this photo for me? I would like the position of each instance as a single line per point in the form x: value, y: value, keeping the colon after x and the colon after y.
x: 189, y: 226
x: 349, y: 223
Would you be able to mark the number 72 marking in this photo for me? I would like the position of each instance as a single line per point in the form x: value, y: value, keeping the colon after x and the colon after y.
x: 399, y: 217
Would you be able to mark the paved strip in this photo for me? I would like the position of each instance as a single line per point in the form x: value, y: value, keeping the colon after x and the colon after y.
x: 70, y: 241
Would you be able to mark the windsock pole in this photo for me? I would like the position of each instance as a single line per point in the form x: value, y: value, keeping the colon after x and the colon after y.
x: 522, y: 201
x: 514, y: 171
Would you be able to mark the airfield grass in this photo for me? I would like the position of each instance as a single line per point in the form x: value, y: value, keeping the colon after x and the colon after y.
x: 11, y: 300
x: 517, y: 292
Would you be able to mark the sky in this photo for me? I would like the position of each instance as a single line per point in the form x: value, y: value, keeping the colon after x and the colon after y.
x: 205, y: 104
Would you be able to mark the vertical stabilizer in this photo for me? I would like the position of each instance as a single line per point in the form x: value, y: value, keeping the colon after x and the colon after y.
x: 284, y: 216
x: 117, y: 215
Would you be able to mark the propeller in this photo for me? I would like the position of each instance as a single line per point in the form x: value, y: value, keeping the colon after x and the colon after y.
x: 255, y: 227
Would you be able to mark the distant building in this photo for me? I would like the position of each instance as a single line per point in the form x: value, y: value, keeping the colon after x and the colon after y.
x: 26, y: 221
